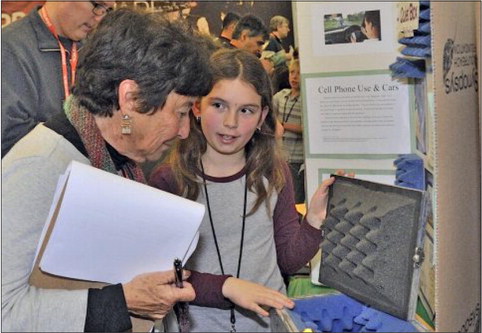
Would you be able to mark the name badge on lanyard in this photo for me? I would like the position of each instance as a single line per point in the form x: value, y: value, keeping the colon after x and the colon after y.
x: 73, y: 57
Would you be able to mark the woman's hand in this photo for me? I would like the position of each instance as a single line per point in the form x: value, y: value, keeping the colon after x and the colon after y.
x: 153, y: 295
x: 254, y: 297
x: 316, y: 213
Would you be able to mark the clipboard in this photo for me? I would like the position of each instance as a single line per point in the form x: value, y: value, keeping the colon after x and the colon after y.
x: 44, y: 280
x: 63, y: 216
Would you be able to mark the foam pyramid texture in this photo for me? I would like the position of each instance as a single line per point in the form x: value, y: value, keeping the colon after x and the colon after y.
x: 370, y: 238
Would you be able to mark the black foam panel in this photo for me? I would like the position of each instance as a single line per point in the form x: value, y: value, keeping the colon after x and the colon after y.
x: 370, y: 239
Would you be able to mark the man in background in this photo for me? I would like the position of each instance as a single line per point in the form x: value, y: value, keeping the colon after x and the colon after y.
x: 249, y: 34
x: 279, y: 29
x: 229, y: 23
x: 39, y: 58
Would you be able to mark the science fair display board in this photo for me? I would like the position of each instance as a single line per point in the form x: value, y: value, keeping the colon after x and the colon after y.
x: 359, y: 118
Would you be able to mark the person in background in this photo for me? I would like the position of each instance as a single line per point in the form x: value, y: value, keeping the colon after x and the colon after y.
x: 287, y: 104
x: 249, y: 34
x: 279, y: 29
x: 137, y: 79
x: 229, y: 23
x: 39, y: 56
x: 250, y: 234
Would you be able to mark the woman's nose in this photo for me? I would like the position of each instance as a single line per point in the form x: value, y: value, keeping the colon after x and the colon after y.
x: 184, y: 129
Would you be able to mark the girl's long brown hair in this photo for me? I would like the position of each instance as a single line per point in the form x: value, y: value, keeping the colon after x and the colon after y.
x: 263, y: 154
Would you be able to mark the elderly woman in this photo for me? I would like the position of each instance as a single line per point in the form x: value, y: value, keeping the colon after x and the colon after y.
x: 137, y: 78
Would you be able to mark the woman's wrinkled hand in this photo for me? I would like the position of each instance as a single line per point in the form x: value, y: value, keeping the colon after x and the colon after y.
x: 255, y: 297
x: 154, y: 294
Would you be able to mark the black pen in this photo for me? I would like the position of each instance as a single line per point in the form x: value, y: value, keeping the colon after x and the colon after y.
x: 181, y: 308
x: 178, y: 272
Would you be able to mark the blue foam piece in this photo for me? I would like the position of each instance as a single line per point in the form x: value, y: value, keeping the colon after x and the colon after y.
x: 340, y: 313
x: 424, y: 27
x: 404, y: 68
x: 425, y: 14
x: 303, y: 321
x: 330, y: 313
x: 425, y: 3
x: 410, y: 172
x: 416, y: 40
x: 417, y: 51
x: 378, y: 321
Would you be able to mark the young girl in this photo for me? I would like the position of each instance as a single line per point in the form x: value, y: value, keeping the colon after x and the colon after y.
x: 250, y: 234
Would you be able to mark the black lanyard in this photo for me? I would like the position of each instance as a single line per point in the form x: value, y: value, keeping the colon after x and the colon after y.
x: 233, y: 316
x: 287, y: 116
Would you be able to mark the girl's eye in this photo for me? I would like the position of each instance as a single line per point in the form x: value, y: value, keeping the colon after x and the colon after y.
x: 246, y: 110
x: 217, y: 105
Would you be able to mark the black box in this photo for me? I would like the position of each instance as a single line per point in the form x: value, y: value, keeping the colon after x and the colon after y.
x: 372, y: 251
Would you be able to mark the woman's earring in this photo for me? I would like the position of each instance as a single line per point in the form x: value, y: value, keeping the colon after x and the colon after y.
x: 126, y: 125
x: 198, y: 119
x: 258, y: 129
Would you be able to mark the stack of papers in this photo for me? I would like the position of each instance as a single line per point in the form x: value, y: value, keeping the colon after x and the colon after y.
x: 106, y: 228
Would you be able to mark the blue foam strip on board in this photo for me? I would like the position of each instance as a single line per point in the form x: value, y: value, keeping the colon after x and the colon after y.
x: 424, y: 27
x: 410, y: 172
x: 425, y: 14
x: 416, y: 51
x: 416, y: 40
x: 404, y: 68
x: 425, y: 3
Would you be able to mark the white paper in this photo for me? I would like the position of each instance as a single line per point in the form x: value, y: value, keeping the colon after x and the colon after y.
x: 58, y: 192
x: 358, y: 114
x: 110, y: 229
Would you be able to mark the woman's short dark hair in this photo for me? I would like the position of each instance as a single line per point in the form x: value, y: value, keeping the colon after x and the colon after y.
x: 160, y: 56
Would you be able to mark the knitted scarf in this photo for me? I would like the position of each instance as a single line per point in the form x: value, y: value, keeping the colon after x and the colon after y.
x: 94, y: 143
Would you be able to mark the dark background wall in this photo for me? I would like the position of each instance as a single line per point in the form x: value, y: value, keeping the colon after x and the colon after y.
x: 213, y: 11
x: 263, y: 9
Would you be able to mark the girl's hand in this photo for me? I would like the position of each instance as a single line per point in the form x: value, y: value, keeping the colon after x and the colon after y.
x: 254, y: 297
x: 317, y: 210
x: 341, y: 172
